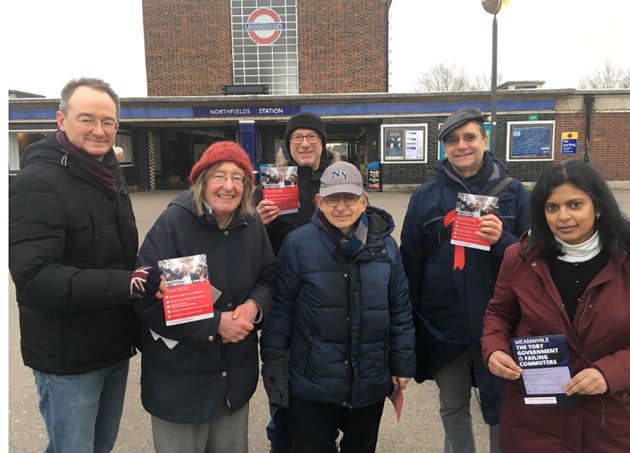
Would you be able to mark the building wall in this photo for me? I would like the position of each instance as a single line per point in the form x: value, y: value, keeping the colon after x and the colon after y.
x: 342, y: 46
x: 610, y: 136
x: 610, y: 126
x: 187, y: 46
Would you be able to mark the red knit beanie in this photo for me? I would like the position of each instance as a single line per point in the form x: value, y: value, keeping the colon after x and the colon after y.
x: 223, y: 152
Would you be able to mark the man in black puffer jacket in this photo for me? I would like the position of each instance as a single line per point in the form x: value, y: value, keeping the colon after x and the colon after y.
x: 72, y: 250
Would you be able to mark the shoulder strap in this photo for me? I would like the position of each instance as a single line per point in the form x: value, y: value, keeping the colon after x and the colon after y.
x: 445, y: 233
x: 498, y: 188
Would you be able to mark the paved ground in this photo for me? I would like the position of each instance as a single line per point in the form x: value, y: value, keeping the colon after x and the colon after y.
x: 419, y: 430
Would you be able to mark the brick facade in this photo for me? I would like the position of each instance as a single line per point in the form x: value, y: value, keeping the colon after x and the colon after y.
x: 342, y: 46
x: 187, y: 47
x: 610, y: 139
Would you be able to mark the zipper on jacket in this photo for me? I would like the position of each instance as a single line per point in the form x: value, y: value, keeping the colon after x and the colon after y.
x: 308, y: 356
x: 93, y: 236
x: 582, y: 317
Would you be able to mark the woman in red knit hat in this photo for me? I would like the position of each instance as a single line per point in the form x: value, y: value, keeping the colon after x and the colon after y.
x: 198, y: 377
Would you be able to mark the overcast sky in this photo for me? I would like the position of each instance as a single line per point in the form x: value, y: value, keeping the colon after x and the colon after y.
x: 557, y: 41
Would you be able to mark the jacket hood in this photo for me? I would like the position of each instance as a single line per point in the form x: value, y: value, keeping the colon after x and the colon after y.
x: 380, y: 222
x: 46, y: 150
x: 186, y: 201
x: 446, y: 173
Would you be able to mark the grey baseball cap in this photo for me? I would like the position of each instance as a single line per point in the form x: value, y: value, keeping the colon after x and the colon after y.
x: 341, y: 177
x: 459, y: 118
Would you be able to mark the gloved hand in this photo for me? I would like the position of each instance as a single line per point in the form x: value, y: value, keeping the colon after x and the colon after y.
x: 144, y: 281
x: 275, y: 373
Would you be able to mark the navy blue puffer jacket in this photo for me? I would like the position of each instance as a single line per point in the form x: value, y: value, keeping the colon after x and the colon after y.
x: 349, y: 325
x: 449, y: 304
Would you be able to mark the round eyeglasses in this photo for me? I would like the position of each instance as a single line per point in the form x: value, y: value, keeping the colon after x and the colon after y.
x: 237, y: 180
x: 107, y: 125
x: 348, y: 200
x: 297, y: 139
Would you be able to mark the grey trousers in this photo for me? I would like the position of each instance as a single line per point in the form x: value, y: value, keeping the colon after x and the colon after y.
x: 455, y: 381
x: 227, y: 434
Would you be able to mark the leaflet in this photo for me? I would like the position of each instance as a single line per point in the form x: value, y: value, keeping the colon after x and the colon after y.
x: 280, y: 186
x: 190, y: 294
x: 546, y: 370
x: 397, y: 399
x: 469, y: 209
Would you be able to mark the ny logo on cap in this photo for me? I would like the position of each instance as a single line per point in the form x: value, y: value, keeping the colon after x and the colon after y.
x: 340, y: 174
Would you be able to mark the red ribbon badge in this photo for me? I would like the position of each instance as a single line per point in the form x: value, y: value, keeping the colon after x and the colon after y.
x: 459, y: 259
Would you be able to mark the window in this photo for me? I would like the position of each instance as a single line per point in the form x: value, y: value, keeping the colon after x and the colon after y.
x: 403, y: 143
x: 123, y: 139
x: 19, y: 140
x: 250, y: 50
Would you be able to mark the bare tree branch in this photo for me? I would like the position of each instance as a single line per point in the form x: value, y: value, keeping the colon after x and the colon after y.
x: 442, y: 77
x: 607, y: 76
x: 483, y: 82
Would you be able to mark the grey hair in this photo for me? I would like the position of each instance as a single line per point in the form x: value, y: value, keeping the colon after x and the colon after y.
x: 97, y: 84
x: 246, y: 205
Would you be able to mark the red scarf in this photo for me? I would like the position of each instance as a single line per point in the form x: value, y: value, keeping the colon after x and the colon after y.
x: 105, y: 171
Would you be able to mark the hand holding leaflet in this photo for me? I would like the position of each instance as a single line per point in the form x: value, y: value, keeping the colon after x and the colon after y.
x: 546, y: 371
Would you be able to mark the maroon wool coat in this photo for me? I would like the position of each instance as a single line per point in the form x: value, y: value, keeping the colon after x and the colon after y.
x: 527, y: 303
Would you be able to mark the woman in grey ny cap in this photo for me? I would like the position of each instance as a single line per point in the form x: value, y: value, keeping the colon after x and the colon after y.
x: 341, y: 306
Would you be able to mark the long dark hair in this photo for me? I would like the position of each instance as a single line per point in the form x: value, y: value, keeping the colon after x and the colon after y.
x: 613, y: 227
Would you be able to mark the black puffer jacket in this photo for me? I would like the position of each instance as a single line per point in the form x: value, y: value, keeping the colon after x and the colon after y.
x: 191, y: 382
x: 72, y: 249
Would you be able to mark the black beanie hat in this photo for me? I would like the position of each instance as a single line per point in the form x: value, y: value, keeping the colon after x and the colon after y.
x: 305, y: 120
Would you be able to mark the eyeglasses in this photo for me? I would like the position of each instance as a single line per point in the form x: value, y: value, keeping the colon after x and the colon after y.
x: 220, y: 178
x: 454, y: 139
x: 297, y: 139
x: 107, y: 125
x: 348, y: 200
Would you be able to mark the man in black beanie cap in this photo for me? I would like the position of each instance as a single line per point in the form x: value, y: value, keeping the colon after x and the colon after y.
x: 305, y: 147
x: 450, y: 288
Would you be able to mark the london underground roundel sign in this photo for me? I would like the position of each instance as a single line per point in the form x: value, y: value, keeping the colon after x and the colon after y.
x: 264, y: 26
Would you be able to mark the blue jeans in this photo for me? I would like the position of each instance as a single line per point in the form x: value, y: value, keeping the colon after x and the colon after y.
x: 82, y: 411
x: 278, y: 427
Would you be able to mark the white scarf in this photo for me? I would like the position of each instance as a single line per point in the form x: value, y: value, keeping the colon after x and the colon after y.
x: 579, y: 253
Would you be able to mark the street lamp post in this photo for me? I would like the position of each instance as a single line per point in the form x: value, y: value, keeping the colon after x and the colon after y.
x: 493, y: 7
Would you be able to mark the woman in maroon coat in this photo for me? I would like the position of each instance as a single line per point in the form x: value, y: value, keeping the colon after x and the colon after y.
x: 570, y: 276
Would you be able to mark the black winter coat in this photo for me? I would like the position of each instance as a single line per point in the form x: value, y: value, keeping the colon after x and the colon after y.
x: 72, y: 249
x: 192, y: 382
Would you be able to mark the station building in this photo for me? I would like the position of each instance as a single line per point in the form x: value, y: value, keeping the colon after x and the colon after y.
x: 237, y: 70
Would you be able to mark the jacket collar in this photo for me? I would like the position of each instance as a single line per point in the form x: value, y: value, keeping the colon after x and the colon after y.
x: 491, y: 172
